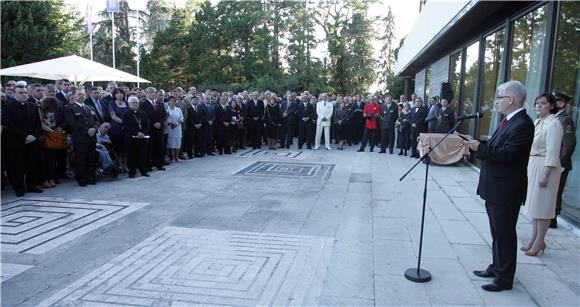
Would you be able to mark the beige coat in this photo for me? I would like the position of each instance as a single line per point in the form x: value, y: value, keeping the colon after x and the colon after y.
x: 541, y: 201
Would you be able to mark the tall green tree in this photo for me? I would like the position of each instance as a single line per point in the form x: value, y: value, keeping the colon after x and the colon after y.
x: 39, y: 30
x: 308, y: 72
x: 154, y: 19
x: 359, y: 63
x: 387, y: 55
x: 336, y: 19
x: 164, y: 65
x: 126, y: 23
x: 210, y: 59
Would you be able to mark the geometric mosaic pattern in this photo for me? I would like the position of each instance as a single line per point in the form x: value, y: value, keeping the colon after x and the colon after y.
x: 281, y: 153
x: 37, y: 225
x: 288, y: 170
x: 186, y: 267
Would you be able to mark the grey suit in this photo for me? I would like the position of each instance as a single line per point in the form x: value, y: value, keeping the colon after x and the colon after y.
x: 432, y: 118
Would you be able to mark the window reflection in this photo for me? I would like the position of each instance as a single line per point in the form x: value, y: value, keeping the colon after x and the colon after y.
x: 469, y: 83
x: 528, y: 39
x: 455, y: 78
x: 565, y: 78
x: 427, y: 84
x: 492, y: 70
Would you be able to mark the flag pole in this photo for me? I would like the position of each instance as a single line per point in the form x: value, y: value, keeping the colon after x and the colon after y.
x: 138, y: 60
x: 89, y: 18
x: 113, y: 35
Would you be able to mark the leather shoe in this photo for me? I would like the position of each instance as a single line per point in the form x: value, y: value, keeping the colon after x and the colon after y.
x: 484, y: 274
x: 493, y: 287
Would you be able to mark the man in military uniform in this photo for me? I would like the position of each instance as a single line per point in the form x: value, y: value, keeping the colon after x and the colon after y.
x: 568, y: 146
x: 83, y: 121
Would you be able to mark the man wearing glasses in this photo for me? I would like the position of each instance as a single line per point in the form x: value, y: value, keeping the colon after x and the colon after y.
x: 503, y: 181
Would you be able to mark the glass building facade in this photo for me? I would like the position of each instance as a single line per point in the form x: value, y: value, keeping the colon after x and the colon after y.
x: 537, y: 44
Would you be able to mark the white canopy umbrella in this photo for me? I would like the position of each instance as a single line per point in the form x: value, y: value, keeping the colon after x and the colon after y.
x: 73, y: 68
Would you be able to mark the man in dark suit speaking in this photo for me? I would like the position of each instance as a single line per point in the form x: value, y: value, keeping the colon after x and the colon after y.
x: 503, y: 181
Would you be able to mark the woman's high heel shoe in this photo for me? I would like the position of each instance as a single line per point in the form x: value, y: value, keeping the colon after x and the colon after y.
x: 534, y: 254
x: 525, y: 248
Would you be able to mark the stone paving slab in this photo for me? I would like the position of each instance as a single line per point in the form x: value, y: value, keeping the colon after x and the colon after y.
x: 367, y: 220
x: 192, y: 266
x: 10, y: 269
x: 36, y: 225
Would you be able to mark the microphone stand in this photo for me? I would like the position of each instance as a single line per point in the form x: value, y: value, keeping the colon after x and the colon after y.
x: 418, y: 274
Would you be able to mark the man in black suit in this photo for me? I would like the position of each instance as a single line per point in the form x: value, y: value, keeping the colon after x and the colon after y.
x: 255, y: 114
x: 223, y: 119
x: 84, y: 123
x: 97, y: 103
x: 23, y: 131
x: 156, y: 114
x: 418, y: 125
x: 389, y: 115
x: 357, y: 121
x: 288, y: 110
x: 305, y: 113
x: 503, y: 181
x: 36, y: 93
x: 63, y: 88
x: 193, y: 130
x: 208, y: 125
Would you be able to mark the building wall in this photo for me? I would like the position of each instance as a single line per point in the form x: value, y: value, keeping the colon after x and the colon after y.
x: 439, y: 74
x: 420, y: 83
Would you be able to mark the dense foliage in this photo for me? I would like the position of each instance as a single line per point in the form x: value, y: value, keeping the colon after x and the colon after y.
x: 229, y: 45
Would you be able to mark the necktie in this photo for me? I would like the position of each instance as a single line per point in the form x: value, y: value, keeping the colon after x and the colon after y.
x: 98, y: 106
x: 502, y: 123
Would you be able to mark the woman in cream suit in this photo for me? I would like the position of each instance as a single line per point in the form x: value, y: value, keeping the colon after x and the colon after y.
x: 543, y: 172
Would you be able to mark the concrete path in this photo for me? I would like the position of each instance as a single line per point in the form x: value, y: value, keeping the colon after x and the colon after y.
x: 285, y: 227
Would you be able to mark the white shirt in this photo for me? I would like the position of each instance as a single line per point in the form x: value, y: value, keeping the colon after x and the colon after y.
x: 509, y: 116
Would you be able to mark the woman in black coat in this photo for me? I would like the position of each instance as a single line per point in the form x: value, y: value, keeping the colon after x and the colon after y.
x: 272, y: 121
x: 404, y: 130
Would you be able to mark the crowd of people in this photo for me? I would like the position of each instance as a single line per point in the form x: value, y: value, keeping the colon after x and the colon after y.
x: 56, y: 131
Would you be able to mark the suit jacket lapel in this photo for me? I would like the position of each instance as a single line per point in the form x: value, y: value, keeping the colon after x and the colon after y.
x: 506, y: 127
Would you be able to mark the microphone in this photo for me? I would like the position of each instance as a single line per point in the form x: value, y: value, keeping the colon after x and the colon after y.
x: 470, y: 116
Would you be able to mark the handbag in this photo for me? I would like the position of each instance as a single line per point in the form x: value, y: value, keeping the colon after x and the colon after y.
x: 54, y: 140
